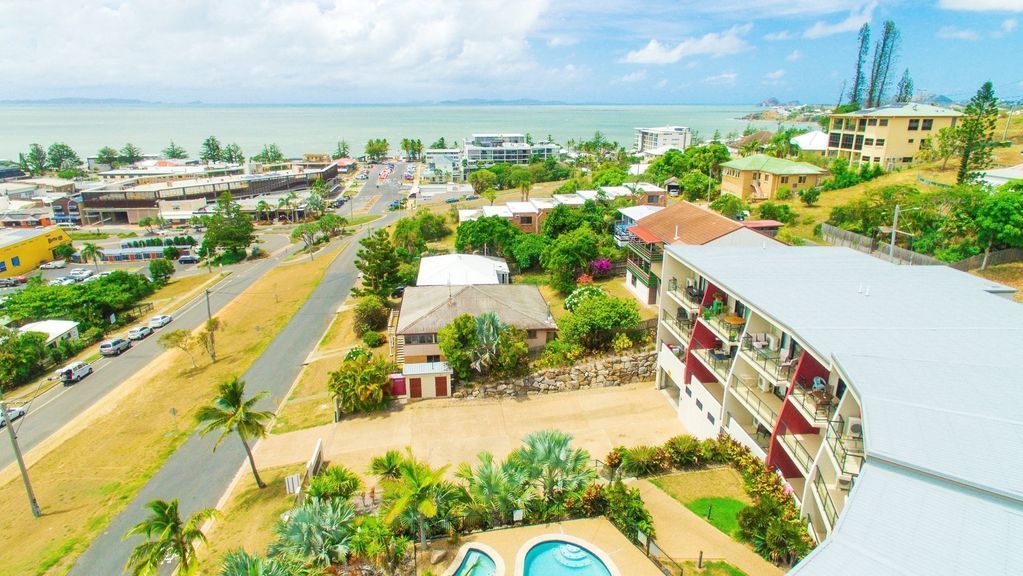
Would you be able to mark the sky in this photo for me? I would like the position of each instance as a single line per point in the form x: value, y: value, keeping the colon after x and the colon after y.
x: 394, y: 51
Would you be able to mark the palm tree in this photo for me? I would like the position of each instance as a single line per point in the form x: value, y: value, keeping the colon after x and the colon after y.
x: 415, y: 494
x: 167, y: 537
x: 334, y: 482
x: 488, y: 333
x: 318, y: 531
x: 375, y: 542
x: 525, y: 185
x: 386, y: 466
x: 552, y: 468
x: 231, y: 412
x: 490, y: 492
x: 241, y: 563
x: 263, y: 207
x: 361, y: 382
x: 92, y: 252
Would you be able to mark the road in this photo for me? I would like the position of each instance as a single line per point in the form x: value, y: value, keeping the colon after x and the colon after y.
x: 194, y: 474
x: 51, y: 410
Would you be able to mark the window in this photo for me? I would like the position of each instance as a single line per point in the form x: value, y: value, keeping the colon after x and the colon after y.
x: 833, y: 139
x: 864, y: 158
x: 872, y: 122
x: 802, y: 179
x: 883, y: 122
x: 877, y: 159
x: 710, y: 418
x: 879, y: 142
x: 927, y: 124
x: 653, y: 199
x: 907, y: 159
x: 421, y: 339
x: 859, y: 142
x: 689, y: 392
x: 911, y: 140
x: 3, y: 266
x: 699, y: 404
x: 526, y: 219
x: 530, y: 334
x: 914, y: 124
x: 633, y: 280
x: 433, y: 358
x: 863, y: 124
x: 784, y: 179
x: 15, y: 262
x: 847, y: 140
x: 868, y: 142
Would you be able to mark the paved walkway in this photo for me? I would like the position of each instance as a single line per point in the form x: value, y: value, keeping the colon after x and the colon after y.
x: 682, y: 535
x: 450, y: 431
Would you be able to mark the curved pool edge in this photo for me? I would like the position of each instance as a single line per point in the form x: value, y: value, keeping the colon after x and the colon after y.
x: 465, y: 548
x: 520, y: 558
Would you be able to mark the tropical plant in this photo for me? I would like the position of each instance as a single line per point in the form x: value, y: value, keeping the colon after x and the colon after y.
x: 489, y: 492
x: 414, y: 497
x: 642, y: 461
x: 334, y: 482
x: 488, y: 333
x: 263, y: 208
x: 231, y: 412
x: 386, y: 466
x: 362, y: 383
x: 772, y: 535
x: 167, y: 537
x: 318, y: 531
x: 90, y: 251
x: 374, y: 541
x: 241, y: 563
x: 552, y: 470
x: 457, y: 341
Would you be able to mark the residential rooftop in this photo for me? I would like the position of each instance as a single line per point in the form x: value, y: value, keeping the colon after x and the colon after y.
x: 904, y: 109
x: 427, y: 309
x: 772, y: 165
x: 460, y: 270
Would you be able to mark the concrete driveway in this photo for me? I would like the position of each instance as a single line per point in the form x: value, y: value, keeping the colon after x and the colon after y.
x: 450, y: 431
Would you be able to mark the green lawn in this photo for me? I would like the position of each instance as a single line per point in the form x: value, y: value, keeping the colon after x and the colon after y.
x: 713, y: 568
x: 724, y: 513
x: 356, y: 220
x: 84, y: 235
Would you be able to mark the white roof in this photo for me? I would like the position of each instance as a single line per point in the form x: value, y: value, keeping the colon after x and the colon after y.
x: 1000, y: 176
x: 52, y: 328
x: 637, y: 212
x: 467, y: 214
x: 587, y: 194
x: 665, y: 129
x: 814, y: 141
x: 542, y: 203
x: 612, y: 192
x: 521, y: 207
x: 933, y: 356
x: 569, y: 199
x: 460, y: 270
x: 501, y: 211
x: 421, y: 368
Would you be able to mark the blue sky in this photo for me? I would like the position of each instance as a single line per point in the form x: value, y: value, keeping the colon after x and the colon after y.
x: 679, y: 51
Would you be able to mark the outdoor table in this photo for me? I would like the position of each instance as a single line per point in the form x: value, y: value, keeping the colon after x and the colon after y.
x: 733, y: 320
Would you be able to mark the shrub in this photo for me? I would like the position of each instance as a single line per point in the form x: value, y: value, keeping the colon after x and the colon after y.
x: 370, y: 314
x: 584, y: 280
x: 559, y: 353
x: 372, y: 339
x: 780, y: 212
x: 645, y: 461
x: 334, y: 482
x: 783, y: 193
x: 621, y: 343
x: 580, y: 293
x: 809, y: 196
x: 601, y: 268
x: 626, y: 510
x: 614, y: 460
x: 683, y: 451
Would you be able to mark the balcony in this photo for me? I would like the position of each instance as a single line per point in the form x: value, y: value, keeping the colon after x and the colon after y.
x: 690, y: 296
x: 827, y: 505
x: 752, y: 437
x: 622, y: 234
x: 847, y: 450
x: 816, y: 405
x: 718, y: 363
x: 677, y: 325
x: 768, y: 362
x: 727, y: 326
x: 648, y: 252
x: 801, y: 448
x: 763, y: 405
x: 638, y: 271
x: 670, y: 359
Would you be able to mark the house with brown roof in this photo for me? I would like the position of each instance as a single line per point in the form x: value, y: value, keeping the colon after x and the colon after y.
x: 682, y: 223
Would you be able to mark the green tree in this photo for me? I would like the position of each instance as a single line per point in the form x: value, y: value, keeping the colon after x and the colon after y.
x: 227, y: 228
x: 171, y: 252
x: 370, y: 314
x: 181, y: 339
x: 1000, y: 219
x: 457, y: 340
x: 331, y: 224
x: 60, y: 156
x: 439, y: 144
x: 362, y: 383
x: 904, y: 90
x: 512, y: 351
x: 263, y: 208
x: 483, y: 181
x: 161, y: 269
x: 166, y: 536
x: 773, y: 211
x: 35, y: 162
x: 63, y: 251
x: 211, y: 150
x: 488, y: 336
x: 378, y: 261
x: 493, y: 234
x: 270, y: 154
x: 415, y: 492
x: 342, y: 150
x: 859, y: 79
x: 230, y: 413
x: 90, y: 251
x: 377, y: 149
x: 976, y: 131
x: 568, y: 256
x: 307, y: 233
x: 107, y: 156
x: 490, y: 492
x: 21, y: 356
x: 129, y: 154
x: 552, y: 470
x: 376, y: 542
x: 233, y: 154
x: 729, y: 205
x: 522, y: 178
x: 612, y: 176
x: 174, y: 152
x: 527, y: 249
x: 596, y: 320
x: 318, y: 531
x: 809, y: 196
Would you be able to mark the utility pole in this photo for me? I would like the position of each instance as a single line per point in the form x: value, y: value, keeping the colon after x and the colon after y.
x: 895, y: 230
x: 21, y: 461
x: 209, y: 327
x: 1008, y: 120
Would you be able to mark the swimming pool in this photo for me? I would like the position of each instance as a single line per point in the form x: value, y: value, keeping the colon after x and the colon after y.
x: 476, y: 563
x: 560, y: 558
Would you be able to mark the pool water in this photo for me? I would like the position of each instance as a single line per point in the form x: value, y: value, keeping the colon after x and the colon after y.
x: 476, y: 563
x: 556, y: 558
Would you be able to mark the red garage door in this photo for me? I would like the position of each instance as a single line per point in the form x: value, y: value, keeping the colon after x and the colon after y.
x: 415, y: 387
x: 442, y: 386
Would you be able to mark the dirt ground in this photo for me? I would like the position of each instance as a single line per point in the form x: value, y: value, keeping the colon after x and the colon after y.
x: 722, y: 482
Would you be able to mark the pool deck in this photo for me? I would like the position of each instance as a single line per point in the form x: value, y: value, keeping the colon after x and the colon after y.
x: 595, y: 532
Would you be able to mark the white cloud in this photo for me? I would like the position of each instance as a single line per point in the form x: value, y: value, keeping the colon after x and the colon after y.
x: 723, y: 79
x: 713, y: 44
x: 558, y: 41
x: 775, y: 75
x: 633, y: 76
x: 794, y: 55
x: 1008, y: 25
x: 953, y: 33
x: 857, y: 18
x: 982, y: 5
x: 778, y: 36
x: 662, y: 83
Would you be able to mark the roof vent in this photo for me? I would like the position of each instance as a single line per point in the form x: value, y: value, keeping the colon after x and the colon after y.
x: 866, y: 291
x: 859, y: 290
x: 676, y: 231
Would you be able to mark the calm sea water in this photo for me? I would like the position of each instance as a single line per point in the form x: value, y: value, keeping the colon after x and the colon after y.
x: 300, y: 129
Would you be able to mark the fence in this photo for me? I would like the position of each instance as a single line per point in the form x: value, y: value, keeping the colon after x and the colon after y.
x: 994, y: 259
x: 923, y: 180
x: 664, y: 563
x: 883, y: 250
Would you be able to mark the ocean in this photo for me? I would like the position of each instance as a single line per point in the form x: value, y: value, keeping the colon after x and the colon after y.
x: 316, y: 128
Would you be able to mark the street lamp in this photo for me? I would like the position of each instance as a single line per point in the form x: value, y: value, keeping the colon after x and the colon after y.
x: 895, y: 229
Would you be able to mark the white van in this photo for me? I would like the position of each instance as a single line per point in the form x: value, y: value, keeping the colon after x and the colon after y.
x: 74, y: 372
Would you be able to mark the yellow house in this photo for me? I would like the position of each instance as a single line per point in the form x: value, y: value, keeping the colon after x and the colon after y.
x: 22, y: 250
x: 889, y: 135
x: 759, y: 177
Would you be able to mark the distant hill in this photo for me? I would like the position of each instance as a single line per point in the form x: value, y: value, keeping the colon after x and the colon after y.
x: 490, y: 102
x: 79, y: 101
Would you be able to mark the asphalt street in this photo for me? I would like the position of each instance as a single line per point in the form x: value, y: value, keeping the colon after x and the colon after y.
x: 194, y: 474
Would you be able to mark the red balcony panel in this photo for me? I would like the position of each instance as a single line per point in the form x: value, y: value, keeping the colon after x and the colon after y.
x: 806, y: 370
x: 778, y: 458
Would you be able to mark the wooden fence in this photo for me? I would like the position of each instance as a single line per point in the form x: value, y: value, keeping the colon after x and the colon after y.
x: 995, y: 258
x: 882, y: 250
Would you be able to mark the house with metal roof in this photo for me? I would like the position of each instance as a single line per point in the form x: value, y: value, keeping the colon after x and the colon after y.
x: 462, y: 270
x: 889, y: 136
x: 886, y: 397
x: 759, y: 176
x: 56, y: 330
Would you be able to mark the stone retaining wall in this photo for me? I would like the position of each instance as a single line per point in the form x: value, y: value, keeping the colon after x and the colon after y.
x: 603, y: 373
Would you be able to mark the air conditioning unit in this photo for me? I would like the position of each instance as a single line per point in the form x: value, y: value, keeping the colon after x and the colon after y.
x: 854, y: 427
x: 763, y: 384
x: 772, y: 342
x: 845, y: 482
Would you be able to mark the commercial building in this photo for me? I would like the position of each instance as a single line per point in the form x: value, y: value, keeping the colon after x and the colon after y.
x: 658, y: 140
x: 885, y: 396
x: 22, y: 251
x: 441, y: 165
x: 462, y: 270
x: 482, y: 150
x: 889, y: 136
x: 50, y: 184
x: 682, y: 223
x: 759, y: 177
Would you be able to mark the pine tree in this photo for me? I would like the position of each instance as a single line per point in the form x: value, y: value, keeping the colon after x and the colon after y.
x: 885, y: 51
x: 904, y: 91
x: 856, y: 94
x: 378, y: 261
x: 976, y: 130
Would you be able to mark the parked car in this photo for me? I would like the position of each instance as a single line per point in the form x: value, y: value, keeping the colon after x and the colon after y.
x: 160, y: 321
x: 139, y: 333
x: 8, y: 282
x: 80, y: 273
x: 53, y: 265
x: 114, y: 347
x: 398, y: 292
x: 12, y: 415
x: 74, y: 372
x: 451, y: 200
x: 68, y: 226
x: 472, y: 197
x: 188, y: 259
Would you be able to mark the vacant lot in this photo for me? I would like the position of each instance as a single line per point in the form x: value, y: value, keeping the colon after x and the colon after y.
x: 717, y: 491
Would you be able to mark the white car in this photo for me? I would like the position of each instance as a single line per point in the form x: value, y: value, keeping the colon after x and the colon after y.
x: 53, y: 265
x: 139, y: 333
x: 80, y: 273
x: 74, y: 372
x: 12, y: 415
x: 160, y: 321
x: 62, y: 281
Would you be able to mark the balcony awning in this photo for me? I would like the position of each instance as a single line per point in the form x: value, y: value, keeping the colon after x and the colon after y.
x: 645, y: 235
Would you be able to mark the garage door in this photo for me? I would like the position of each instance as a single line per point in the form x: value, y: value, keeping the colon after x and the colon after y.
x: 415, y: 387
x: 442, y: 386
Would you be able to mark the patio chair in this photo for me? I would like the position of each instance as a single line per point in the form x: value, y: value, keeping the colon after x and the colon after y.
x: 759, y: 340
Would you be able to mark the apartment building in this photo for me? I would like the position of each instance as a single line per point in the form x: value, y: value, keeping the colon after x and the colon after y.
x: 889, y: 135
x: 657, y: 141
x: 442, y: 165
x: 886, y: 396
x: 758, y: 177
x: 482, y: 150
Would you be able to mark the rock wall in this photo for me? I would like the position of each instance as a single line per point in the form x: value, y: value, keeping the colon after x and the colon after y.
x: 603, y: 373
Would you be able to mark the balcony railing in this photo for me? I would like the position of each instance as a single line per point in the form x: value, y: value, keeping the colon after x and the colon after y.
x: 729, y: 329
x: 677, y: 324
x: 818, y: 405
x: 638, y: 271
x: 769, y: 360
x: 824, y: 497
x: 797, y: 451
x: 848, y: 451
x: 745, y: 392
x: 719, y: 363
x: 649, y: 252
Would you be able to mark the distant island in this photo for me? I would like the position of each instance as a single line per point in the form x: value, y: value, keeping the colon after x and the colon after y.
x: 81, y: 101
x: 491, y: 102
